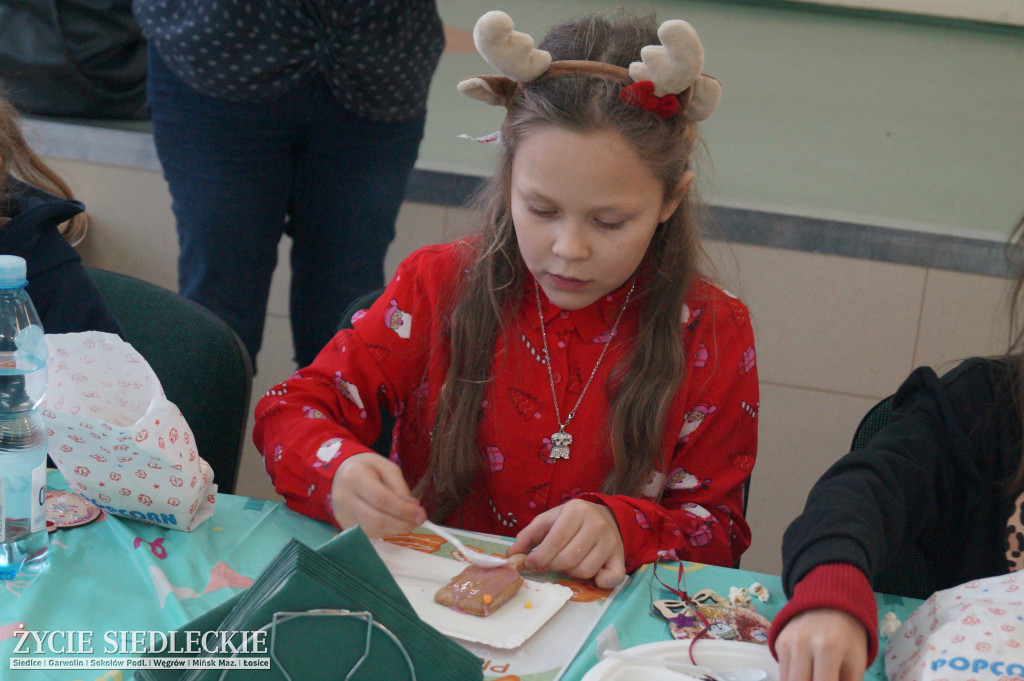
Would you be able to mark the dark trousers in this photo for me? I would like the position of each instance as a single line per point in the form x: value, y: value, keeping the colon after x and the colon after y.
x: 241, y: 174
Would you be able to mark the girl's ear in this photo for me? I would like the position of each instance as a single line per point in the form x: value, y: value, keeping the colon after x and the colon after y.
x: 677, y: 196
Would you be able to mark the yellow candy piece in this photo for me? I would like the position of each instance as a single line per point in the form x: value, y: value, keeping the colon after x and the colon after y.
x: 529, y: 604
x: 487, y: 599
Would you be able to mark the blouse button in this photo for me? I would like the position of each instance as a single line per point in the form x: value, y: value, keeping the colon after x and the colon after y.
x: 556, y: 377
x: 564, y: 314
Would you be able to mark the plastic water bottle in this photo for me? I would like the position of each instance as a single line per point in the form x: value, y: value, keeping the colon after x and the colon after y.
x: 24, y: 544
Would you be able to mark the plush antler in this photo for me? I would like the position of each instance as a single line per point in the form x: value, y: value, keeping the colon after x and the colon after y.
x: 493, y: 90
x: 707, y: 92
x: 674, y: 65
x: 510, y: 52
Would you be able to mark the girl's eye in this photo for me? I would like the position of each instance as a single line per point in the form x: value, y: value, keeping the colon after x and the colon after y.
x: 540, y: 212
x: 608, y: 224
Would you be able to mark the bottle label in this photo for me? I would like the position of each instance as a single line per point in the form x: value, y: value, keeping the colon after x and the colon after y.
x: 39, y: 499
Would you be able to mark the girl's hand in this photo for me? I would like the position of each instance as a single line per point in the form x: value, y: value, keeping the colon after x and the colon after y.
x: 369, y: 490
x: 823, y: 644
x: 579, y: 538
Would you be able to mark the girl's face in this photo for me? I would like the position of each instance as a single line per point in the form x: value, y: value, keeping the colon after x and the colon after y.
x: 585, y: 208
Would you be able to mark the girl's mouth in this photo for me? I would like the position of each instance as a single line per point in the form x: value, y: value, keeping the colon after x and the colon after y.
x: 567, y: 283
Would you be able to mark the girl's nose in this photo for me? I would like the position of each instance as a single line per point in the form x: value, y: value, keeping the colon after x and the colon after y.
x: 570, y: 241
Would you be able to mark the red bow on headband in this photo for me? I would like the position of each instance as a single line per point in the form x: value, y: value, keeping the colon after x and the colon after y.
x: 641, y: 94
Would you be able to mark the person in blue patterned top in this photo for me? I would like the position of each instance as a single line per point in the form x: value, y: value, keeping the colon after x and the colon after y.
x: 298, y: 118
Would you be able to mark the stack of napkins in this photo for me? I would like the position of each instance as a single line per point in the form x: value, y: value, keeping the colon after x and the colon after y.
x: 344, y: 574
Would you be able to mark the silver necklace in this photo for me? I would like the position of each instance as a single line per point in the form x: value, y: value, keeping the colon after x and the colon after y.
x: 561, y: 440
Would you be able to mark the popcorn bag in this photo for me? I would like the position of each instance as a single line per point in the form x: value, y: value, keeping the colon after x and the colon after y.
x: 972, y: 632
x: 116, y: 437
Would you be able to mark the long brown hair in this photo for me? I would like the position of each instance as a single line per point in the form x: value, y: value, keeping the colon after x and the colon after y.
x: 1015, y: 353
x: 18, y: 160
x: 642, y: 386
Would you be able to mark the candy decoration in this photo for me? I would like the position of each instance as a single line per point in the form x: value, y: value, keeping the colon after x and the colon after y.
x: 67, y: 509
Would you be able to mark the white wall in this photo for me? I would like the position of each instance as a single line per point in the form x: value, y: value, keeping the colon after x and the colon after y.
x: 1010, y: 12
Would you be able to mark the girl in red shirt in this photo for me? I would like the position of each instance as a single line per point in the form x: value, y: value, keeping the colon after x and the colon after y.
x: 566, y: 376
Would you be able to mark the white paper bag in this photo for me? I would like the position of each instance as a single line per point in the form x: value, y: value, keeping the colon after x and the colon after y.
x: 115, y: 436
x: 974, y: 631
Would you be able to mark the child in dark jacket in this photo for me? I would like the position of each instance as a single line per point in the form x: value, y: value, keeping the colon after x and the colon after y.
x: 944, y: 479
x: 41, y: 222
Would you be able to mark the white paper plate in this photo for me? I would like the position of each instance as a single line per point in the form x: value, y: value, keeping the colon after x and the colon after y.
x: 420, y: 575
x: 712, y: 653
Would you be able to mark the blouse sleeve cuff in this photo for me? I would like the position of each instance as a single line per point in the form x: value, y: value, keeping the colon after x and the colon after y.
x: 635, y: 549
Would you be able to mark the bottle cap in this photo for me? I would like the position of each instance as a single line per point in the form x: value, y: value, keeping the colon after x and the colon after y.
x: 12, y: 271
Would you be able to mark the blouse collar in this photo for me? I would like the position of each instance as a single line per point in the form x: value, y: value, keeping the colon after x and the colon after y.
x: 592, y: 322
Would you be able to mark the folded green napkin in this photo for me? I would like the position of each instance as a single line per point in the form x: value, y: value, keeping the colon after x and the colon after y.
x: 344, y: 574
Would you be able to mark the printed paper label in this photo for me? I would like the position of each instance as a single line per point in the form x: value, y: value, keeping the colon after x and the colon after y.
x: 38, y: 509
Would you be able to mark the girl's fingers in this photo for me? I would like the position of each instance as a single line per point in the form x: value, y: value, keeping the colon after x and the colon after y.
x: 795, y: 667
x: 392, y: 478
x: 376, y: 524
x: 530, y: 537
x: 854, y: 665
x: 572, y: 559
x: 611, y: 574
x: 785, y: 672
x: 370, y: 491
x: 555, y: 549
x: 397, y: 500
x: 824, y: 667
x: 599, y: 560
x: 578, y: 538
x: 380, y: 499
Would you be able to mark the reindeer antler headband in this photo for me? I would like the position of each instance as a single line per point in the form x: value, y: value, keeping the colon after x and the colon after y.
x: 667, y: 80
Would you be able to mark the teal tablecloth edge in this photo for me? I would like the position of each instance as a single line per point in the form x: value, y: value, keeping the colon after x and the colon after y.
x: 151, y: 568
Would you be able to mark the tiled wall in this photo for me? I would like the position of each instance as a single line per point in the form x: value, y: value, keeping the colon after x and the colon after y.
x: 834, y: 335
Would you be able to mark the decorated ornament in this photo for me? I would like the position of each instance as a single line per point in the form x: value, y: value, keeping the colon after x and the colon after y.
x: 708, y: 615
x: 67, y: 509
x: 705, y: 614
